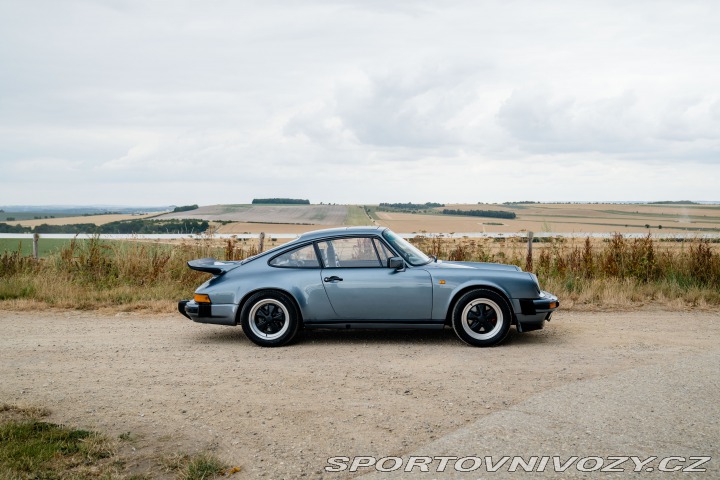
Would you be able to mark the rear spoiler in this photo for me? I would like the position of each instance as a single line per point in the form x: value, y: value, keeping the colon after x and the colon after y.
x: 210, y: 265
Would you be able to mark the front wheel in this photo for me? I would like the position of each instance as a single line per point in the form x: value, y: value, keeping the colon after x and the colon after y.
x: 269, y: 319
x: 482, y: 318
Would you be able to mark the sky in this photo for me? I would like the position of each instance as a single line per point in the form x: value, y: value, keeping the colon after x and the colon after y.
x: 358, y: 101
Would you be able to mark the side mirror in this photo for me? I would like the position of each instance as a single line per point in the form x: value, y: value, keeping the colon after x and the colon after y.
x: 396, y: 262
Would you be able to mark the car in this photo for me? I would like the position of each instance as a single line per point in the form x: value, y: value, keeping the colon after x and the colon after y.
x: 365, y: 277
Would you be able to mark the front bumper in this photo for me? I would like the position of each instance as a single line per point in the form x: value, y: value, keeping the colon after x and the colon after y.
x: 533, y: 313
x: 218, y: 314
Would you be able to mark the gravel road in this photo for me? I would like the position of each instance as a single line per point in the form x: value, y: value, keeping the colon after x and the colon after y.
x: 281, y: 413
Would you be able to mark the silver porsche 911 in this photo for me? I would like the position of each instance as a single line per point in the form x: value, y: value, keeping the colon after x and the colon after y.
x: 365, y: 277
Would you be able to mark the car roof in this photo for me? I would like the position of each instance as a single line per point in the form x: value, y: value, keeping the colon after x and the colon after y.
x: 332, y: 232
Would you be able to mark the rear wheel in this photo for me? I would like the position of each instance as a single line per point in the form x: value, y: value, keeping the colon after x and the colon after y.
x: 482, y: 318
x: 269, y: 319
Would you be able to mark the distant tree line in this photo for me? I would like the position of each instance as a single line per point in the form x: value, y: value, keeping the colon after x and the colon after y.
x: 409, y: 206
x: 7, y: 228
x: 281, y: 201
x: 185, y: 208
x: 480, y: 213
x: 121, y: 227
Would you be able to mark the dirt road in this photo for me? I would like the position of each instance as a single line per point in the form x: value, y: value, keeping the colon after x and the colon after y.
x: 281, y: 413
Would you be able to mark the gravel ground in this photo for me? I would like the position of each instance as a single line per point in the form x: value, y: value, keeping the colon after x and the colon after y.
x: 281, y: 413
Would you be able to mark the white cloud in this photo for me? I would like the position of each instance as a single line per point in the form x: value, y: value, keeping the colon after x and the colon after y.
x: 638, y: 126
x: 358, y: 101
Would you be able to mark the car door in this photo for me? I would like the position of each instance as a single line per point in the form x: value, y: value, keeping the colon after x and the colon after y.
x: 361, y: 288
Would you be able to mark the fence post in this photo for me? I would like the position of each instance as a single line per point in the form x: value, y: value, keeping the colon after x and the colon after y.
x: 36, y: 253
x: 262, y: 242
x: 529, y: 259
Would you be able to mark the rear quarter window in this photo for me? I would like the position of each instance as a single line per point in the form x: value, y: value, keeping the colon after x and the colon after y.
x: 302, y: 257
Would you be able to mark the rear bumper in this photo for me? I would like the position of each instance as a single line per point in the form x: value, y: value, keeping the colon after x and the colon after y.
x: 218, y: 314
x: 533, y: 313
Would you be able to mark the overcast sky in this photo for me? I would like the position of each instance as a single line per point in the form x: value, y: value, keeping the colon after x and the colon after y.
x: 358, y: 101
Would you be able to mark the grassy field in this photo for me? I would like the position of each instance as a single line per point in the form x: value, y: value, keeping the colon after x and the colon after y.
x: 46, y: 246
x: 584, y: 273
x: 95, y: 219
x: 551, y: 218
x: 356, y: 216
x: 562, y: 218
x: 308, y: 215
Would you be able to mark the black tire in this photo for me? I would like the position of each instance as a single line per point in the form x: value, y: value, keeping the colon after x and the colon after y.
x: 482, y: 318
x: 270, y: 319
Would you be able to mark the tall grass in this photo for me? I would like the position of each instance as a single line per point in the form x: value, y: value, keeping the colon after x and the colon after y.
x: 614, y: 271
x: 584, y: 273
x: 93, y: 273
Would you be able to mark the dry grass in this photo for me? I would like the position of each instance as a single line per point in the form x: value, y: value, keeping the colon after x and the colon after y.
x: 194, y: 467
x: 151, y: 276
x: 120, y: 275
x: 616, y: 272
x: 10, y: 412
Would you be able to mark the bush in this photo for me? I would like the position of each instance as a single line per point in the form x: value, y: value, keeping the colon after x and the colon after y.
x: 185, y: 208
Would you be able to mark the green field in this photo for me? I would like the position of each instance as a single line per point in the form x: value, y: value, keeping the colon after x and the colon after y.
x: 48, y: 246
x: 356, y: 216
x: 45, y: 245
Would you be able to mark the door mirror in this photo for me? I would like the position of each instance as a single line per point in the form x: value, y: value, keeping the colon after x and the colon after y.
x: 396, y: 262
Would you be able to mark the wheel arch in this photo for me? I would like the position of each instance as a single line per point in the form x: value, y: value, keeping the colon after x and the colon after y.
x: 289, y: 295
x: 458, y: 295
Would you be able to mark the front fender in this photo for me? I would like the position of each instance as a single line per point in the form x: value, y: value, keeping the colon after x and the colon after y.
x: 450, y: 284
x: 445, y: 295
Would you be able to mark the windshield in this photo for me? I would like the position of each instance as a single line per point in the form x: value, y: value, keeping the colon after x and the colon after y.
x: 408, y: 251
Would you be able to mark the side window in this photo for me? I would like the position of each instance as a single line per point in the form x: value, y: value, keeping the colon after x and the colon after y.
x: 384, y: 252
x: 303, y: 257
x: 355, y: 252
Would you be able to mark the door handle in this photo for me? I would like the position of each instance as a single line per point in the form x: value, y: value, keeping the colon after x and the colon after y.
x: 334, y: 278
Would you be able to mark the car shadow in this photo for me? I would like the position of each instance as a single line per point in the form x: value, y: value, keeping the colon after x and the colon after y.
x: 334, y: 337
x: 219, y: 335
x: 379, y: 337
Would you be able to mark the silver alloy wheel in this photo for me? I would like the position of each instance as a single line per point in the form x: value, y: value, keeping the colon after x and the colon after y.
x: 269, y: 319
x: 482, y: 319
